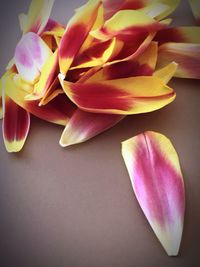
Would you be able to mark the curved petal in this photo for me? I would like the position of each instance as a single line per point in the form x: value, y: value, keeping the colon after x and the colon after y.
x: 155, y: 174
x: 58, y: 111
x: 195, y: 6
x: 77, y: 31
x: 37, y: 17
x: 188, y: 34
x: 167, y: 72
x: 121, y: 96
x: 187, y: 56
x: 128, y: 25
x: 84, y: 125
x: 31, y: 53
x: 16, y: 124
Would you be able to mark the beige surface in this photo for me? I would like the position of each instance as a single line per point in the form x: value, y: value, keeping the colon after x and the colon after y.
x: 75, y: 207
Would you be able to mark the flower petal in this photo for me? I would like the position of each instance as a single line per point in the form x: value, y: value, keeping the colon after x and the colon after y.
x: 77, y: 30
x: 38, y: 15
x: 195, y: 6
x: 48, y: 75
x: 155, y: 174
x: 142, y: 65
x: 58, y: 111
x: 187, y: 56
x: 30, y: 56
x: 121, y: 96
x: 128, y: 25
x: 167, y: 72
x: 188, y: 34
x: 16, y: 124
x: 84, y: 125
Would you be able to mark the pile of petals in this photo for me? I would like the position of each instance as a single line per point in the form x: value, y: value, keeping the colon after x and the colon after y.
x: 113, y: 58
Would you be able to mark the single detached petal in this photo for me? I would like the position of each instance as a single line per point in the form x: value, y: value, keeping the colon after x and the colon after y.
x: 48, y: 75
x: 30, y: 56
x: 155, y: 174
x: 167, y: 72
x: 76, y: 33
x: 84, y: 125
x: 187, y: 56
x: 128, y: 25
x: 188, y: 34
x: 16, y: 124
x: 195, y: 6
x: 37, y: 17
x: 57, y: 111
x: 121, y: 96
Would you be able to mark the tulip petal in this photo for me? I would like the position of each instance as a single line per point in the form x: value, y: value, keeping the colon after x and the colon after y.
x: 188, y: 34
x: 30, y: 56
x: 84, y: 125
x: 38, y: 15
x: 77, y: 30
x: 156, y: 178
x: 167, y: 72
x: 195, y: 6
x: 187, y: 56
x: 48, y: 74
x: 16, y: 124
x: 96, y: 55
x: 142, y: 65
x: 58, y: 111
x: 121, y: 96
x: 128, y: 25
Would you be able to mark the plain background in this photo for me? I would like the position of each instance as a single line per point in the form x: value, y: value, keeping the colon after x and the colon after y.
x: 75, y: 207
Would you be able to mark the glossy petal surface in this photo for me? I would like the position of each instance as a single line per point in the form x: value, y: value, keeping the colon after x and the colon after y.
x: 120, y: 96
x: 155, y: 174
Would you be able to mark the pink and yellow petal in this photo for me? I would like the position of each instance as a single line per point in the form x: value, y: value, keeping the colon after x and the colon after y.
x: 16, y: 124
x: 187, y: 56
x: 83, y: 126
x: 48, y: 74
x: 121, y: 96
x: 57, y: 111
x: 37, y: 17
x: 187, y: 34
x: 195, y: 6
x: 77, y: 30
x: 31, y: 54
x: 156, y: 178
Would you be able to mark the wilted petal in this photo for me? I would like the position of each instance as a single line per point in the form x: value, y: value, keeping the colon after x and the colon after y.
x: 48, y: 75
x: 128, y: 25
x: 30, y: 56
x: 37, y: 17
x: 155, y: 174
x: 84, y: 125
x: 58, y: 111
x: 195, y: 6
x: 77, y: 30
x: 121, y: 96
x: 188, y: 34
x: 16, y: 124
x: 167, y: 72
x: 187, y: 56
